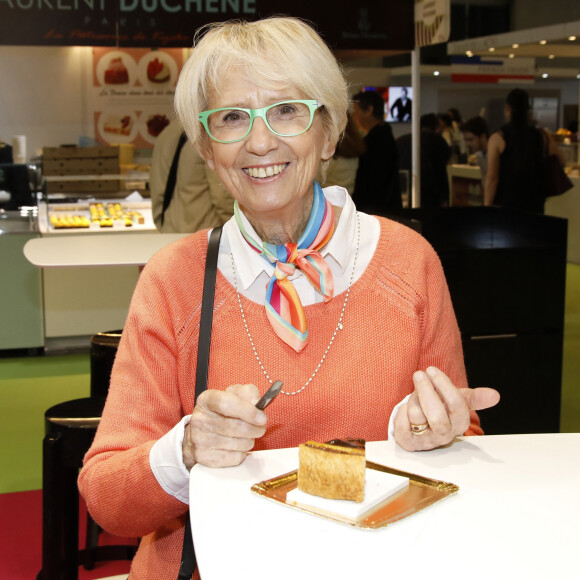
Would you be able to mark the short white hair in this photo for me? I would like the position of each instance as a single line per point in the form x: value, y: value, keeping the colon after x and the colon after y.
x: 273, y: 51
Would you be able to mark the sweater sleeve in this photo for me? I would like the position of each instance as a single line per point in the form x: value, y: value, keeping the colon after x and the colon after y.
x: 144, y: 403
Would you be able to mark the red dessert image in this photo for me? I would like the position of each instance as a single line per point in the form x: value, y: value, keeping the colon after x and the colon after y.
x: 158, y: 71
x: 116, y: 73
x: 156, y: 124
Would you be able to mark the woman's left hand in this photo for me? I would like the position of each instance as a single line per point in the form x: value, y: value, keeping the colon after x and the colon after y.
x: 437, y: 411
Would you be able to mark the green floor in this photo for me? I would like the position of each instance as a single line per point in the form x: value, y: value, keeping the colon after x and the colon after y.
x: 570, y: 417
x: 30, y: 385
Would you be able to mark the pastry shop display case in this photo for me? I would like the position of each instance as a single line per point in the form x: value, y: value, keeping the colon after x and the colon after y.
x: 81, y: 301
x: 72, y: 216
x: 86, y: 191
x: 93, y: 190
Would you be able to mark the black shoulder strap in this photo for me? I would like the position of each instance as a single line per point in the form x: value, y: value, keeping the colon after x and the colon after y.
x: 188, y: 561
x: 207, y: 311
x: 172, y: 177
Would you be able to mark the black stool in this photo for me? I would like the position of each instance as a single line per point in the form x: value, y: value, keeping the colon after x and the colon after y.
x: 69, y: 432
x: 103, y: 351
x: 70, y: 429
x: 102, y: 355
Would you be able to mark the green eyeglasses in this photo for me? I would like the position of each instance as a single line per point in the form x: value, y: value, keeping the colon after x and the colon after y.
x: 287, y: 119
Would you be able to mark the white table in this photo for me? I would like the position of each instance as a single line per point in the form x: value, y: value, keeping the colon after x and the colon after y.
x: 96, y: 249
x: 516, y: 515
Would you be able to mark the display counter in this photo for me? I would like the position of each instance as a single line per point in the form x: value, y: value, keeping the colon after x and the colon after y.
x: 89, y: 279
x: 90, y: 252
x: 466, y: 190
x: 20, y: 284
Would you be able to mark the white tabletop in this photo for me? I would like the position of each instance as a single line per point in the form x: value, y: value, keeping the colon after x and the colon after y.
x: 96, y: 250
x: 516, y: 515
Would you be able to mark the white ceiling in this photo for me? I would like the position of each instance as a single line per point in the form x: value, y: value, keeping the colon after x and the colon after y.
x: 556, y: 47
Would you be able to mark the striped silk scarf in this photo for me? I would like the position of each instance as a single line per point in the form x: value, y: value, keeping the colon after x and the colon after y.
x: 283, y: 307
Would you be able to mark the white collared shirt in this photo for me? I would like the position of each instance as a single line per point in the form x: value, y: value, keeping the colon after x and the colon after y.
x: 253, y: 271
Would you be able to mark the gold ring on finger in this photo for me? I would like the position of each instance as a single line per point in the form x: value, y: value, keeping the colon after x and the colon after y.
x: 419, y: 429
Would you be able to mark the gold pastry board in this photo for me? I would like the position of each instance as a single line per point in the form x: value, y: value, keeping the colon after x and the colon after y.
x: 421, y: 493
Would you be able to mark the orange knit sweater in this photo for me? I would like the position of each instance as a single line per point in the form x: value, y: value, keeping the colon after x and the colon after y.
x: 398, y: 319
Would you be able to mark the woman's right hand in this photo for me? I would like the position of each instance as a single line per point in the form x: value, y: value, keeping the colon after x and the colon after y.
x: 224, y: 426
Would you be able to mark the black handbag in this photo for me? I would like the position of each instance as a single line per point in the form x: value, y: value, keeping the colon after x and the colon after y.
x: 188, y: 561
x: 556, y: 182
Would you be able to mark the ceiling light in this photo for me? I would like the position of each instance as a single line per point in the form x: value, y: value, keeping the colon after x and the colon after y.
x: 578, y: 76
x: 436, y: 73
x: 512, y: 55
x: 543, y: 42
x: 491, y: 49
x: 515, y: 45
x: 571, y: 38
x: 551, y: 56
x: 469, y: 53
x: 545, y: 76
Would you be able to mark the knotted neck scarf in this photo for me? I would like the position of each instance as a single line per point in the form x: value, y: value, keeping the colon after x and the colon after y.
x: 283, y: 307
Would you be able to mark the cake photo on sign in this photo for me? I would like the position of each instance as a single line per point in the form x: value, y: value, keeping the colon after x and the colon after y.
x: 116, y: 73
x: 118, y: 125
x: 156, y: 124
x: 158, y: 71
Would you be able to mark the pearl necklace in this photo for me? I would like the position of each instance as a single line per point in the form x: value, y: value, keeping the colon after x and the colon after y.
x: 339, y: 326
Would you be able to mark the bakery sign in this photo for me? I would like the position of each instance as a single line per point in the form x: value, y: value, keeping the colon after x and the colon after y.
x: 131, y: 93
x: 171, y: 23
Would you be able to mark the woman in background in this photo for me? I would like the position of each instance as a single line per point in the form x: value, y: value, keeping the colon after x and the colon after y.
x: 515, y: 172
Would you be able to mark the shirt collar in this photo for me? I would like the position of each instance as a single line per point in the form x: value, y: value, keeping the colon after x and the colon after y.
x: 249, y: 265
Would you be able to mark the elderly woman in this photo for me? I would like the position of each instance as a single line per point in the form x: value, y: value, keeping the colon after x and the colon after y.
x: 351, y: 311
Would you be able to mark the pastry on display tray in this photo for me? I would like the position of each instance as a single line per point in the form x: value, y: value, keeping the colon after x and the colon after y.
x: 67, y: 221
x: 390, y: 495
x: 106, y: 214
x: 99, y: 215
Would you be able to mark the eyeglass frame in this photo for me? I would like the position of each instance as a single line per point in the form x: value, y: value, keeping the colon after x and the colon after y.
x: 312, y: 104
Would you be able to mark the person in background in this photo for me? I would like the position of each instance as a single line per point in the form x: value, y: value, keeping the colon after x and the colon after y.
x: 458, y: 147
x: 476, y: 135
x: 377, y: 187
x: 5, y: 153
x: 350, y: 311
x: 445, y: 128
x: 341, y: 169
x: 515, y: 177
x: 456, y: 120
x: 435, y: 155
x: 199, y: 199
x: 402, y: 108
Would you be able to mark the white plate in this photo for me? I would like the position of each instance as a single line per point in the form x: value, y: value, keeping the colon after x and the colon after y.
x: 378, y: 487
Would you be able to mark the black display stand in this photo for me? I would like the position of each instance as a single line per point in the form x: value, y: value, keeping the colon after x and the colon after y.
x: 506, y: 273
